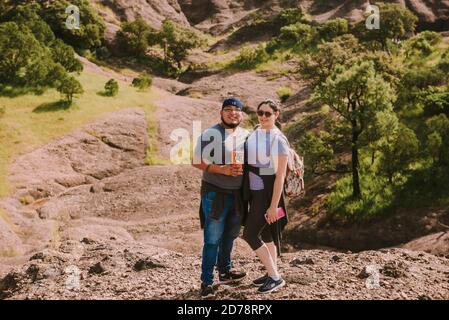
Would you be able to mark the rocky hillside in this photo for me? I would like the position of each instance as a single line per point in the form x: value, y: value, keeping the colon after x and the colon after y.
x: 218, y: 16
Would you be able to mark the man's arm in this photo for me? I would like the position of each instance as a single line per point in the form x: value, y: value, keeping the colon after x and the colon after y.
x: 227, y: 170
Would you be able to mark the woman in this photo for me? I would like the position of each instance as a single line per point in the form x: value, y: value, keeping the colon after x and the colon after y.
x: 267, y: 152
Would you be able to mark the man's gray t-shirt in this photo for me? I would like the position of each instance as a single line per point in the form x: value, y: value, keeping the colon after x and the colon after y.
x: 215, y: 145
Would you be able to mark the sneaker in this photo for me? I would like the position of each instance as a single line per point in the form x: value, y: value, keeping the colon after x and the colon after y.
x: 260, y: 281
x: 207, y: 291
x: 231, y: 276
x: 271, y: 285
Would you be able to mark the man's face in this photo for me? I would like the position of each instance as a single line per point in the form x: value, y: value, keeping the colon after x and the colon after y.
x: 231, y: 116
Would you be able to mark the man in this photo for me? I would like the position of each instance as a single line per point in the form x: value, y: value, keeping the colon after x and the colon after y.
x: 221, y: 208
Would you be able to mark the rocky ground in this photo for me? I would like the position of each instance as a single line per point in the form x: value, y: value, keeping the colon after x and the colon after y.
x: 118, y: 269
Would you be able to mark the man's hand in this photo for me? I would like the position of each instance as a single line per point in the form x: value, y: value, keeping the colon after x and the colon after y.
x: 232, y: 170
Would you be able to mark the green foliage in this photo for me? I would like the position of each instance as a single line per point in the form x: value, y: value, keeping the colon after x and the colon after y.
x: 333, y: 28
x: 176, y: 42
x: 377, y: 197
x: 21, y: 57
x: 143, y: 81
x: 423, y: 44
x: 438, y: 139
x: 284, y: 93
x: 27, y: 15
x: 389, y: 112
x: 357, y: 94
x: 90, y: 34
x: 249, y: 58
x: 31, y: 56
x: 399, y: 150
x: 111, y: 88
x: 136, y: 37
x: 288, y: 17
x: 443, y: 64
x: 315, y: 68
x: 298, y: 34
x: 69, y: 87
x: 413, y: 88
x: 65, y: 55
x: 396, y: 22
x: 133, y: 38
x: 319, y: 155
x: 436, y: 101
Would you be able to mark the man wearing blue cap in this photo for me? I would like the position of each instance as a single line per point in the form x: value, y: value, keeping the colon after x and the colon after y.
x: 222, y: 207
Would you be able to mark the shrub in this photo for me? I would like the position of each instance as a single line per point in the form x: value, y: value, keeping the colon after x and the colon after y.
x: 69, y: 87
x: 143, y: 81
x: 284, y: 93
x: 249, y: 58
x: 298, y: 34
x: 333, y: 28
x: 111, y: 88
x: 377, y: 198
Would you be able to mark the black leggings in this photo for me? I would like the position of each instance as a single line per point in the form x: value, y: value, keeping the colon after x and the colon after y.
x: 257, y: 230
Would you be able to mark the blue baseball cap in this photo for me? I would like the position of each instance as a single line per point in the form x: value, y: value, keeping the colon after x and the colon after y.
x: 233, y: 102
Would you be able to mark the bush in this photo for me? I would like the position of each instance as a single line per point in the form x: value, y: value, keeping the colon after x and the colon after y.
x: 298, y: 34
x: 111, y: 88
x: 319, y: 154
x: 284, y: 93
x: 143, y: 81
x: 133, y: 38
x: 289, y: 16
x: 423, y: 44
x: 377, y: 198
x: 333, y: 28
x: 443, y: 65
x: 69, y: 87
x: 249, y: 58
x: 90, y: 35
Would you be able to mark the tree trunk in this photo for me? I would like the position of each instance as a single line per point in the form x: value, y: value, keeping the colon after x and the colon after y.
x: 356, y: 194
x: 166, y: 56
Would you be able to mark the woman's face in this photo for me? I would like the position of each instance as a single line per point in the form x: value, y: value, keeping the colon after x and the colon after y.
x: 267, y: 116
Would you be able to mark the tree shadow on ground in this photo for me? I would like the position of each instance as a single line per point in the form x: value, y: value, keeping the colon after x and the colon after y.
x: 52, y: 106
x: 14, y: 92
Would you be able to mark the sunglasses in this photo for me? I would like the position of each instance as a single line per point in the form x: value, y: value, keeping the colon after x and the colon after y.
x: 266, y: 113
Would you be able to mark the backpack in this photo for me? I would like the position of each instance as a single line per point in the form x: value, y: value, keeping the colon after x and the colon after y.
x: 294, y: 177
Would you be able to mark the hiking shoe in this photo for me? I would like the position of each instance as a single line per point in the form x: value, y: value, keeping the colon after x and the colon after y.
x: 260, y: 281
x: 271, y: 285
x: 231, y: 276
x: 207, y: 291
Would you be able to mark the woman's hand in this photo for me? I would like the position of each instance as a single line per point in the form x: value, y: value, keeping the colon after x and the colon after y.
x: 271, y: 215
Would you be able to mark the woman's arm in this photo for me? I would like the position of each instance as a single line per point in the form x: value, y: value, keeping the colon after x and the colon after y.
x: 278, y: 188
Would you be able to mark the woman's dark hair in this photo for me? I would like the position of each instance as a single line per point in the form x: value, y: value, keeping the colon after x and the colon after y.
x: 275, y: 107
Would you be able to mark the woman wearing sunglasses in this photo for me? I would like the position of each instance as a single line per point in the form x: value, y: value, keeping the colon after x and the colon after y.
x: 267, y: 152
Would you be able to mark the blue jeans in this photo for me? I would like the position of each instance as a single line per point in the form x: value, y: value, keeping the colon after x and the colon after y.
x: 219, y: 236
